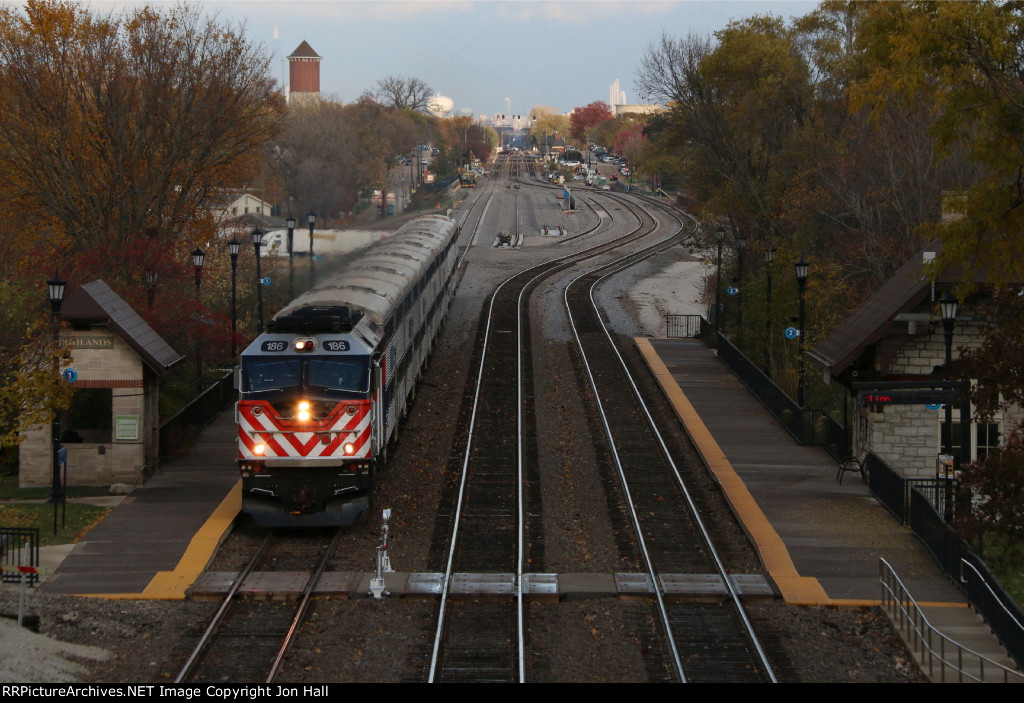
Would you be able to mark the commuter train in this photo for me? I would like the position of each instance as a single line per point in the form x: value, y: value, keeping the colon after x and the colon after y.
x: 321, y: 392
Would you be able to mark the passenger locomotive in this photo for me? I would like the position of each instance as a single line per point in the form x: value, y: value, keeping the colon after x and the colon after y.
x: 321, y: 392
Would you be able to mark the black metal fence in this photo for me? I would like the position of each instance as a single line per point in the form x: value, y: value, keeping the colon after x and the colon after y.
x: 177, y: 431
x: 683, y: 326
x: 796, y: 421
x: 927, y: 518
x: 1000, y: 611
x: 19, y: 546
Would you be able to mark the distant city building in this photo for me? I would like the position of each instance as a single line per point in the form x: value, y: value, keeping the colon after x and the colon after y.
x: 303, y: 75
x: 636, y: 109
x: 616, y: 96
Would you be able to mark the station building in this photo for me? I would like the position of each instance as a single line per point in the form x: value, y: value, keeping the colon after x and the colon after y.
x: 111, y: 431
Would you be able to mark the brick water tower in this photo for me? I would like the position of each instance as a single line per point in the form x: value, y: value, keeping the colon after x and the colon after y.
x: 303, y: 75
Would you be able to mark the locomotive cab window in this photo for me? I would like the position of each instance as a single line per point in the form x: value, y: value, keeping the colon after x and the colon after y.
x: 270, y: 374
x: 350, y: 375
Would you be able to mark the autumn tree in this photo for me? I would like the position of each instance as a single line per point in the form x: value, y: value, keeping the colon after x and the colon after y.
x: 117, y: 133
x: 403, y: 93
x: 122, y: 124
x: 546, y: 125
x: 465, y: 139
x: 968, y: 60
x: 328, y: 152
x: 584, y: 119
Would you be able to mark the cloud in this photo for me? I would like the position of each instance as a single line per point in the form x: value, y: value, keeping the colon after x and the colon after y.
x: 575, y: 13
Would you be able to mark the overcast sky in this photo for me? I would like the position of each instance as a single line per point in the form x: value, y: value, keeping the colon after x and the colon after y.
x: 561, y: 54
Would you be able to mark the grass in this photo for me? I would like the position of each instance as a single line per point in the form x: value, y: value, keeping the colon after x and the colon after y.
x: 9, y: 491
x: 1006, y: 559
x: 78, y: 519
x: 21, y: 507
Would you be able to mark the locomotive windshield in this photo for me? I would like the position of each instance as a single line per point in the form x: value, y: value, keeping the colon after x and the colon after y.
x: 272, y: 374
x: 350, y: 375
x: 261, y: 374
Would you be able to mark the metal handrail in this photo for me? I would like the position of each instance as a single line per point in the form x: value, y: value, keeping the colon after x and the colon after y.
x: 995, y: 596
x: 928, y: 642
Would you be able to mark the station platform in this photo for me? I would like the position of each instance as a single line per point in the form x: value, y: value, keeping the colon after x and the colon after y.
x: 820, y: 542
x: 160, y: 538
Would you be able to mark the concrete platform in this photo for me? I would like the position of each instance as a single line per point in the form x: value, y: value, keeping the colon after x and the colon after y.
x: 160, y: 538
x: 819, y: 541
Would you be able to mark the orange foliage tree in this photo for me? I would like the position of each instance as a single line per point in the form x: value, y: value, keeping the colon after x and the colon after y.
x: 117, y: 133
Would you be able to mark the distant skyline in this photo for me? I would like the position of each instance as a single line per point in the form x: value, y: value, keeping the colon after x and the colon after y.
x: 488, y: 56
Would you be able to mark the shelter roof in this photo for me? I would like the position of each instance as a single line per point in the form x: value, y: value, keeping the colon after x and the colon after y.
x: 96, y: 303
x: 872, y: 318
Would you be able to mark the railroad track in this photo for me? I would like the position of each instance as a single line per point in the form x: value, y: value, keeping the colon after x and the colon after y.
x: 247, y: 639
x: 708, y: 642
x: 496, y: 511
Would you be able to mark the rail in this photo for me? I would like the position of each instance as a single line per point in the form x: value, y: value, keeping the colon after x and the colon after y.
x: 939, y: 655
x: 998, y: 609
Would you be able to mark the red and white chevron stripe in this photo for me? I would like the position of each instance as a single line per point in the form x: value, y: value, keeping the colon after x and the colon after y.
x: 294, y: 439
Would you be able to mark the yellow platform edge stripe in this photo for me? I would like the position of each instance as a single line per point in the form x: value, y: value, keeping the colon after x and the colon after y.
x: 172, y: 585
x: 794, y: 588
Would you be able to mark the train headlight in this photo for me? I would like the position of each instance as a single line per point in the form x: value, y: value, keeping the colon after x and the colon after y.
x: 303, y: 413
x: 259, y: 449
x: 349, y: 448
x: 304, y: 344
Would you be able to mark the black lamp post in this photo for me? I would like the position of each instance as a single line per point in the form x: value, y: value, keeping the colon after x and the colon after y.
x: 741, y: 245
x: 720, y: 236
x: 769, y: 257
x: 948, y: 305
x: 198, y: 256
x: 233, y: 246
x: 290, y: 222
x: 55, y: 291
x: 151, y: 278
x: 311, y: 219
x: 801, y: 283
x: 257, y: 242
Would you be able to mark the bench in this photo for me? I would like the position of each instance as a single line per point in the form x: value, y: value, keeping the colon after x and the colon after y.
x: 852, y: 463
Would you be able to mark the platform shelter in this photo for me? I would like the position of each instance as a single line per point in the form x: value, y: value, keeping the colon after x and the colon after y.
x: 111, y: 430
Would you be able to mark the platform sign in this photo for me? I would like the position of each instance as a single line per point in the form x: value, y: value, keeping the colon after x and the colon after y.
x: 907, y: 397
x: 732, y: 290
x: 69, y: 375
x: 945, y: 467
x: 265, y: 280
x: 792, y: 333
x: 126, y: 427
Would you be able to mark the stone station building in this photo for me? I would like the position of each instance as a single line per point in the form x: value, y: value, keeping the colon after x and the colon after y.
x: 896, y: 335
x: 111, y: 431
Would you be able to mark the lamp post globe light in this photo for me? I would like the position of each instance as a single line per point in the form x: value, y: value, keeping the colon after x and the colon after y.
x: 151, y: 277
x: 720, y: 237
x: 55, y: 292
x: 198, y: 257
x: 257, y: 242
x: 801, y: 267
x: 233, y: 248
x: 290, y: 223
